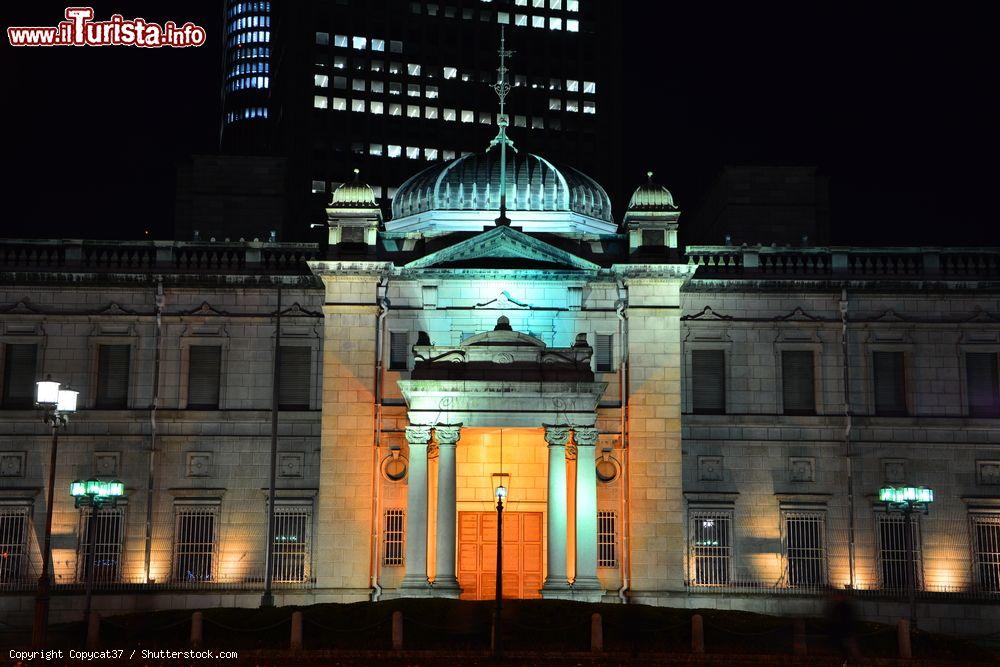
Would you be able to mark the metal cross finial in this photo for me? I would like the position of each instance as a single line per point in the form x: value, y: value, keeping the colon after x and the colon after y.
x: 502, y: 88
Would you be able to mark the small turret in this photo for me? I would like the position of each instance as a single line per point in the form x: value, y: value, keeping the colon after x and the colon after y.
x: 353, y: 216
x: 651, y: 218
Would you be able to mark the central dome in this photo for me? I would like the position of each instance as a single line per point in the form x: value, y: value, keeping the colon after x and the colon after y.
x: 472, y: 183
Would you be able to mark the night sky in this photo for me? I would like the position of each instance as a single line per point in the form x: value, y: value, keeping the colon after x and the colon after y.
x: 894, y: 103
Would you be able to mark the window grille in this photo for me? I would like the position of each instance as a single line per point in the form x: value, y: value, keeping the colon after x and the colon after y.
x: 399, y: 350
x: 19, y: 375
x: 294, y: 377
x: 392, y: 553
x: 109, y: 533
x: 292, y: 543
x: 890, y: 533
x: 890, y: 383
x: 112, y: 376
x: 986, y: 545
x: 194, y: 543
x: 604, y: 353
x: 607, y: 539
x: 805, y: 548
x: 798, y: 387
x: 204, y: 366
x: 711, y: 547
x: 14, y: 529
x: 983, y: 386
x: 708, y: 368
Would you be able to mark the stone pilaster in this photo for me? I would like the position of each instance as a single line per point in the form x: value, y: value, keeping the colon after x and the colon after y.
x: 444, y: 576
x: 586, y: 510
x: 417, y: 438
x: 556, y: 577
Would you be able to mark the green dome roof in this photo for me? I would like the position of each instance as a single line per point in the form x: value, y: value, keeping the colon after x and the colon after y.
x: 472, y: 183
x: 651, y: 197
x: 353, y: 194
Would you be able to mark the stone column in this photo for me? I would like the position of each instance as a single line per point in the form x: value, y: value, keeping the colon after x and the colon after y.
x: 586, y: 510
x: 444, y: 576
x: 416, y: 509
x: 555, y: 579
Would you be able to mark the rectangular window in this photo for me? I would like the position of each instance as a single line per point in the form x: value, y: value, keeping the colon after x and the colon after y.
x: 294, y: 377
x: 653, y: 237
x: 318, y: 186
x: 319, y: 102
x: 711, y: 547
x: 708, y: 370
x: 19, y: 373
x: 986, y: 550
x: 359, y: 43
x: 112, y: 376
x: 467, y: 116
x: 376, y: 108
x: 292, y: 542
x: 413, y: 111
x: 555, y: 104
x: 805, y: 550
x: 14, y: 528
x: 413, y: 152
x: 194, y: 543
x: 358, y: 105
x: 322, y: 38
x: 399, y: 350
x: 604, y: 353
x: 109, y: 536
x: 321, y: 80
x: 392, y: 550
x: 340, y: 40
x: 890, y: 383
x: 798, y: 388
x: 981, y: 379
x: 607, y: 539
x: 572, y: 25
x: 893, y: 554
x: 204, y: 368
x: 339, y: 104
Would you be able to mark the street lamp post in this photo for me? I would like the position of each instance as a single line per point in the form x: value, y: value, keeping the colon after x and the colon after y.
x: 501, y: 492
x: 95, y: 494
x: 906, y: 500
x: 57, y: 404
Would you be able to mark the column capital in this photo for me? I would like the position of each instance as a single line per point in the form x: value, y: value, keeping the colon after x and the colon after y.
x: 418, y: 435
x: 585, y: 436
x: 448, y: 435
x: 556, y: 435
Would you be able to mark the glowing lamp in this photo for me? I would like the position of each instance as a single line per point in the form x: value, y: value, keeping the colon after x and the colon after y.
x: 78, y: 488
x: 906, y: 494
x: 47, y: 392
x: 501, y: 485
x: 66, y: 401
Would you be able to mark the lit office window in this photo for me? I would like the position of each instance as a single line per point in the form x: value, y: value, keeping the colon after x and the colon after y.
x: 537, y: 123
x: 359, y: 148
x: 572, y: 86
x: 450, y: 72
x: 357, y: 105
x: 377, y: 87
x: 413, y: 90
x: 413, y: 69
x: 555, y: 4
x: 430, y: 113
x: 448, y: 155
x: 449, y: 114
x: 360, y: 43
x: 431, y: 92
x: 412, y: 111
x: 485, y: 117
x: 589, y: 107
x: 376, y: 107
x: 467, y: 116
x: 572, y: 105
x: 394, y: 150
x: 412, y: 153
x: 323, y: 38
x: 555, y: 104
x: 318, y: 186
x: 589, y: 87
x: 430, y: 153
x: 520, y: 81
x: 395, y: 68
x: 572, y: 25
x: 521, y: 3
x: 466, y: 77
x: 521, y: 19
x: 537, y: 21
x: 555, y: 23
x: 432, y: 10
x: 538, y: 4
x: 339, y: 62
x: 572, y: 5
x: 375, y: 149
x: 378, y: 44
x: 503, y: 18
x: 320, y: 102
x: 340, y: 40
x: 358, y: 84
x: 395, y: 109
x: 555, y: 84
x: 339, y: 104
x: 520, y: 121
x: 395, y: 88
x: 377, y: 65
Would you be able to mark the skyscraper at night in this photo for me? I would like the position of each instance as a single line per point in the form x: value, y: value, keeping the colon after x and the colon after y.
x: 389, y: 87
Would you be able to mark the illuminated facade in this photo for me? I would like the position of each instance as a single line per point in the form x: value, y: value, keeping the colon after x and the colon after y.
x: 700, y: 428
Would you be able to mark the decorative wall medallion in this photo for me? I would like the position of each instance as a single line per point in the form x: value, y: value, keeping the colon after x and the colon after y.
x: 107, y: 464
x: 894, y: 471
x: 291, y: 464
x: 710, y: 468
x: 199, y: 464
x: 394, y: 467
x: 12, y: 464
x: 802, y: 469
x: 607, y: 470
x: 503, y: 358
x: 988, y: 473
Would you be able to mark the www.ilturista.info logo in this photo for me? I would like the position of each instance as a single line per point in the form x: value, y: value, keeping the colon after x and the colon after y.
x: 79, y: 29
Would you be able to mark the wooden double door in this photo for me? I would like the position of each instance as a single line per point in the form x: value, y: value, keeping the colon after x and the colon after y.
x: 522, y: 554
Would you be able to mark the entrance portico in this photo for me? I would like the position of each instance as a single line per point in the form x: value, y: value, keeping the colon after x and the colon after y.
x: 502, y: 379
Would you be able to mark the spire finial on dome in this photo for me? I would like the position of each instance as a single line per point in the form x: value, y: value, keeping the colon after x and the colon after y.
x: 502, y: 88
x: 649, y: 176
x: 357, y: 174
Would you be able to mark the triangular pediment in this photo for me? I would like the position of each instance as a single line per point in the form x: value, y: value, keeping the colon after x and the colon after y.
x: 503, y: 245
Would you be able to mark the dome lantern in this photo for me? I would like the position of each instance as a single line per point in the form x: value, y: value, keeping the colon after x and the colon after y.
x: 353, y: 216
x: 651, y: 217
